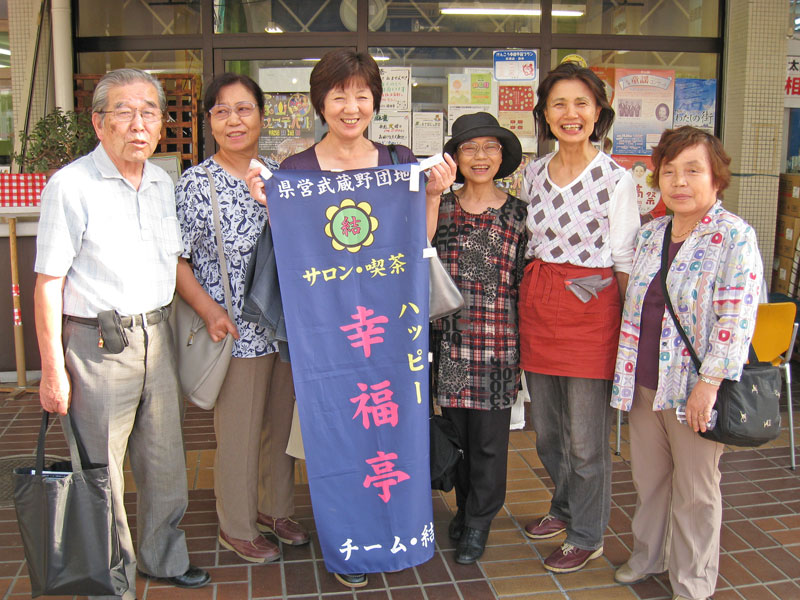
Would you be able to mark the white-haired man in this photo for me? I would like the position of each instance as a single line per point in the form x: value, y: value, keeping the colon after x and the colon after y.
x: 106, y: 258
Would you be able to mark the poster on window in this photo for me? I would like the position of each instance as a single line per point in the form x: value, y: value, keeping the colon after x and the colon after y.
x: 695, y: 103
x: 354, y: 281
x: 288, y: 126
x: 396, y: 88
x: 515, y: 105
x: 427, y: 133
x: 643, y: 101
x: 391, y: 128
x: 648, y: 197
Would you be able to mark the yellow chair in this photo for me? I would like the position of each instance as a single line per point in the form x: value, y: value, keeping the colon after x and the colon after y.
x: 773, y: 341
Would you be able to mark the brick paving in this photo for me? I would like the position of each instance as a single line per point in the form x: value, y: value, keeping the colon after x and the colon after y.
x: 760, y: 534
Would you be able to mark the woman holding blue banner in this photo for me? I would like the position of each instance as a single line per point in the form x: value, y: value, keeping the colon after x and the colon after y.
x: 481, y: 238
x: 346, y: 92
x: 253, y: 475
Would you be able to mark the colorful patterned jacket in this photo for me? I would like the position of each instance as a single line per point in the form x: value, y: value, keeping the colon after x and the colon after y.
x: 714, y: 285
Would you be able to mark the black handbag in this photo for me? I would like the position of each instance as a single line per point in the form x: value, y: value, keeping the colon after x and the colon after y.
x: 747, y: 410
x: 66, y: 518
x: 445, y: 452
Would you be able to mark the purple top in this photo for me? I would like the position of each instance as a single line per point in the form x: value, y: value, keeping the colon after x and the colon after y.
x: 650, y: 328
x: 307, y: 159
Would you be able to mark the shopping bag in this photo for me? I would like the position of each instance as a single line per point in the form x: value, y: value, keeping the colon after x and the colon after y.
x: 66, y: 517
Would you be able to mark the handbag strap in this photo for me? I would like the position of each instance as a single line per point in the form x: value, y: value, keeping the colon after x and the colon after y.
x: 77, y: 452
x: 223, y: 265
x: 665, y: 262
x: 393, y: 153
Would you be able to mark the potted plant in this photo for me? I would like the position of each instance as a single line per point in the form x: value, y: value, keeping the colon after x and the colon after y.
x: 55, y: 141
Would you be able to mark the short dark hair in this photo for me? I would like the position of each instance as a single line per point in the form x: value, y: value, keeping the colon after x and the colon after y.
x: 571, y: 70
x: 675, y: 141
x: 339, y: 67
x: 224, y: 80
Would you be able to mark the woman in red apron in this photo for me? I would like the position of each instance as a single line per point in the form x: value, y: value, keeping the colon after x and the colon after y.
x: 582, y: 220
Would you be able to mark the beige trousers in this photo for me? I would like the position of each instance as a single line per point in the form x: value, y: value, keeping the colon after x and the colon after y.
x: 252, y: 420
x: 678, y: 515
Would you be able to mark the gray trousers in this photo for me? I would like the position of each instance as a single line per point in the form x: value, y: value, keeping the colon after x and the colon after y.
x: 131, y: 401
x: 572, y: 418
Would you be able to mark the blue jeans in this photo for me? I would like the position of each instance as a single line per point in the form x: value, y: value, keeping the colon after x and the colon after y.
x: 572, y: 418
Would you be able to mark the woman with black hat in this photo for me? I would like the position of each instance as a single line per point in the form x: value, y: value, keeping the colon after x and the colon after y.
x: 583, y: 220
x: 480, y: 237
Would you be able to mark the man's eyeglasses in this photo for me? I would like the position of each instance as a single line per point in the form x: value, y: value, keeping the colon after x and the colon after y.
x: 471, y: 148
x: 223, y: 111
x: 125, y: 115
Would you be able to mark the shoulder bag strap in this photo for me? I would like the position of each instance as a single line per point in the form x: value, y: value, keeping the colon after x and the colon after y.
x: 223, y: 265
x: 664, y: 268
x: 393, y: 153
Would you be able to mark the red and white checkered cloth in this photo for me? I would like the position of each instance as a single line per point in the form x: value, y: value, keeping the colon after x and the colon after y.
x: 21, y: 189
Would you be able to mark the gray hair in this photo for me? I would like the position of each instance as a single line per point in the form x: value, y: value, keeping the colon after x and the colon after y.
x: 120, y: 77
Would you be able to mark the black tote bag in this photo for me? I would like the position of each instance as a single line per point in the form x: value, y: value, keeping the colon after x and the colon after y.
x: 66, y: 518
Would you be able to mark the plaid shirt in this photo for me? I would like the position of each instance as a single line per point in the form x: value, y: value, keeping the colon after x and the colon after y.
x: 476, y: 350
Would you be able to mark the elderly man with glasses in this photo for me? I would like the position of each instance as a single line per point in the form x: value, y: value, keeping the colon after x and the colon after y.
x: 106, y: 259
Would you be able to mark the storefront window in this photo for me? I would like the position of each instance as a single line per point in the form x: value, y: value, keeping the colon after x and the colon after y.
x: 137, y: 17
x: 692, y: 18
x: 155, y: 61
x: 451, y: 16
x: 283, y: 16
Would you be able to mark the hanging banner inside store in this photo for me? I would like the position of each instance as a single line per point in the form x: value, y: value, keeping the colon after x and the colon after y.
x: 643, y: 103
x: 349, y: 248
x: 288, y: 126
x: 695, y: 103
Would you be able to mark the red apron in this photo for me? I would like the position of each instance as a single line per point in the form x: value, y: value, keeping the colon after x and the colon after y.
x: 559, y: 334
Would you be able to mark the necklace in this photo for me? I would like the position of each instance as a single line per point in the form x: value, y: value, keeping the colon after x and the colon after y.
x: 678, y: 236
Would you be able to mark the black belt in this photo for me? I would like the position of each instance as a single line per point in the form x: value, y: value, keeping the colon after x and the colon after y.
x: 153, y: 317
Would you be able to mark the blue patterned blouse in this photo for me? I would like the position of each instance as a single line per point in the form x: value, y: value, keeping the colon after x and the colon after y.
x: 242, y: 220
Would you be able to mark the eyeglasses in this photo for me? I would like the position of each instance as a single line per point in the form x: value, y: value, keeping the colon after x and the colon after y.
x: 223, y: 111
x: 125, y: 115
x: 471, y: 148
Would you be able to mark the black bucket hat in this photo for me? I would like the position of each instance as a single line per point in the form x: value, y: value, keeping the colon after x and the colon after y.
x: 482, y: 124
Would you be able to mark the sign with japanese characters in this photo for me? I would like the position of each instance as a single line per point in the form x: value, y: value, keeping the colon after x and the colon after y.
x: 643, y: 102
x: 695, y: 103
x: 514, y: 65
x: 792, y: 87
x: 349, y: 248
x: 396, y: 88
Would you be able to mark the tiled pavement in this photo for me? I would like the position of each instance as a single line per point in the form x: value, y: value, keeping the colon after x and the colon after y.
x: 760, y: 538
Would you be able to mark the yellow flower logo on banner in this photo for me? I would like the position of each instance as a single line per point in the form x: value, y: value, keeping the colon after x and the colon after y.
x: 350, y: 226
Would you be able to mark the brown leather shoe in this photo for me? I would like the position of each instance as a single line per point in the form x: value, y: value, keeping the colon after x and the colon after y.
x: 546, y: 527
x: 258, y: 550
x: 285, y: 529
x: 568, y: 558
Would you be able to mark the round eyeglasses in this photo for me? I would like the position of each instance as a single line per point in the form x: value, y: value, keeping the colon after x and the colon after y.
x: 223, y: 111
x: 125, y: 115
x: 471, y: 148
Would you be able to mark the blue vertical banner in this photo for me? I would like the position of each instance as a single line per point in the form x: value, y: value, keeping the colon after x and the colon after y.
x: 349, y: 248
